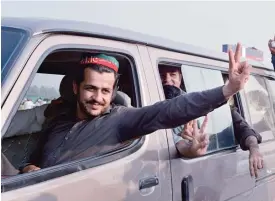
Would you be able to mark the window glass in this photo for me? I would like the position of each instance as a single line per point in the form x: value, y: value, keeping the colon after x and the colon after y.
x: 41, y: 90
x: 260, y: 108
x: 11, y: 41
x: 219, y: 125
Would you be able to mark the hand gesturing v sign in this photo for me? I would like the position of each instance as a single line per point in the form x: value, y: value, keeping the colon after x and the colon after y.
x: 198, y: 137
x: 238, y: 73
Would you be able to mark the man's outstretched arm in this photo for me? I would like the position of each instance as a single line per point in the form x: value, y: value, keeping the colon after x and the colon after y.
x: 182, y: 109
x: 169, y: 113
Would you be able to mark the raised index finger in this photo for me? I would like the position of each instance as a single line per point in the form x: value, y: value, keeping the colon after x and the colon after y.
x: 231, y: 60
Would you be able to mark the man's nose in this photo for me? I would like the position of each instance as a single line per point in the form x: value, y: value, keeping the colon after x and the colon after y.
x: 167, y: 78
x: 97, y: 96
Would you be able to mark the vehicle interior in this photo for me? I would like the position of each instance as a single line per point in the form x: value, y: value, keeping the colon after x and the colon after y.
x: 18, y: 148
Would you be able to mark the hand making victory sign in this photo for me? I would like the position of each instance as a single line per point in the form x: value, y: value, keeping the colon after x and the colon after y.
x: 238, y: 73
x: 198, y: 138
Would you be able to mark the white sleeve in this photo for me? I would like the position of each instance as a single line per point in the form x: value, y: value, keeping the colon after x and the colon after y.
x: 27, y: 121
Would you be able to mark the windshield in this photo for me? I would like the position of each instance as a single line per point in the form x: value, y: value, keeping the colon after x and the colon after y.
x: 12, y: 41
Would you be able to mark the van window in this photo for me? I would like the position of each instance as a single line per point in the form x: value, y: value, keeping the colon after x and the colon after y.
x: 260, y: 107
x: 197, y: 79
x: 12, y: 40
x: 221, y: 132
x: 42, y: 91
x: 24, y: 132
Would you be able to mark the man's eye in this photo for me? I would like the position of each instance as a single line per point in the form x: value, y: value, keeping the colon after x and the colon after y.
x: 90, y: 89
x: 105, y: 91
x: 173, y: 74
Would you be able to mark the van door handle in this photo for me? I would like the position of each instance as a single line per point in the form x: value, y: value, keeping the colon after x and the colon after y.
x: 148, y: 182
x: 187, y: 188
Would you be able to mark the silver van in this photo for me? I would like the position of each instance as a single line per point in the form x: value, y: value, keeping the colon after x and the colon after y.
x: 37, y: 53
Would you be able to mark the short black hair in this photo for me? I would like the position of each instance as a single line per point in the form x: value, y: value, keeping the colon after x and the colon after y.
x: 98, y: 68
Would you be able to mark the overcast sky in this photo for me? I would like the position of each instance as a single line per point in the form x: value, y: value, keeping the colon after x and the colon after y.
x: 206, y: 24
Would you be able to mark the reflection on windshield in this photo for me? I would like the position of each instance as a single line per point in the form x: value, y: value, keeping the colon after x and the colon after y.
x: 11, y: 42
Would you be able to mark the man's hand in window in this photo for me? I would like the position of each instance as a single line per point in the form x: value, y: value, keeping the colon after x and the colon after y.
x: 30, y: 168
x: 198, y: 139
x: 255, y: 157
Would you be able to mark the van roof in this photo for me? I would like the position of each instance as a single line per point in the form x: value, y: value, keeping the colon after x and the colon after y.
x: 41, y: 25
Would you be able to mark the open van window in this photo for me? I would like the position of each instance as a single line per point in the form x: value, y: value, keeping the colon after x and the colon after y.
x: 197, y: 79
x: 54, y: 79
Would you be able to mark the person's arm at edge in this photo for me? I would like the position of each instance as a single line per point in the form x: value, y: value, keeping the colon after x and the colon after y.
x: 256, y: 161
x: 272, y: 49
x: 242, y: 131
x: 248, y: 139
x: 251, y: 142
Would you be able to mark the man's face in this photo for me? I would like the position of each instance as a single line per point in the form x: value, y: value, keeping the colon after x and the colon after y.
x: 170, y: 76
x: 94, y: 94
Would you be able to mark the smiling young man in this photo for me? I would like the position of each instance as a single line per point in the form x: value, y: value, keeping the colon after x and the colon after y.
x: 192, y: 141
x: 95, y: 126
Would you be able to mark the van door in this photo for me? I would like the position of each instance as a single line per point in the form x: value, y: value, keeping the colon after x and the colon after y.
x: 139, y: 172
x: 223, y: 173
x: 259, y: 94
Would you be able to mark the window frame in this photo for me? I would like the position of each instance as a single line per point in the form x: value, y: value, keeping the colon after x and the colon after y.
x: 15, y: 53
x: 237, y: 100
x: 26, y: 179
x: 264, y: 78
x: 179, y: 63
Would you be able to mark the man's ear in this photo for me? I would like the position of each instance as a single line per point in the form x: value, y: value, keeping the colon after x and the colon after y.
x: 74, y: 87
